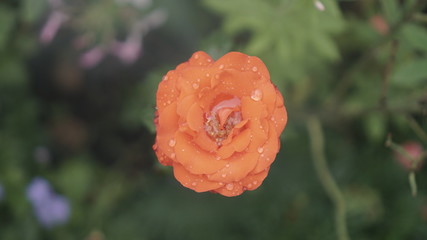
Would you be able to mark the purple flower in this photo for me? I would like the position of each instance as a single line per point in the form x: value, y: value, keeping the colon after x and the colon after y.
x: 38, y: 190
x: 51, y: 209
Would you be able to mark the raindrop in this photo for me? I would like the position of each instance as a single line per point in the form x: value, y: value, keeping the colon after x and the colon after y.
x: 224, y: 175
x: 209, y: 60
x: 196, y: 56
x: 260, y: 149
x: 221, y: 66
x: 165, y: 78
x: 173, y: 155
x: 208, y: 75
x: 255, y: 182
x: 249, y: 185
x: 254, y: 69
x: 256, y: 95
x: 195, y: 85
x: 172, y: 142
x: 218, y: 158
x: 229, y: 186
x: 227, y: 165
x: 194, y: 183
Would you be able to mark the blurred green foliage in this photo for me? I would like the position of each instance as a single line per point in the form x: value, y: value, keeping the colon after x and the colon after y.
x: 360, y: 67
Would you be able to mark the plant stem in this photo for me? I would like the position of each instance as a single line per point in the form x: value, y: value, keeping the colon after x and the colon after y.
x: 319, y: 159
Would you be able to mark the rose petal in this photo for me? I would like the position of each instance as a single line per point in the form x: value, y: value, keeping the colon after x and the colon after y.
x: 198, y: 183
x: 205, y: 142
x: 280, y: 116
x: 253, y: 109
x: 195, y: 118
x: 242, y: 62
x: 230, y: 189
x: 200, y: 59
x: 268, y: 151
x: 184, y: 104
x: 167, y: 91
x: 166, y: 129
x: 238, y: 166
x: 253, y: 181
x: 238, y: 144
x: 194, y: 159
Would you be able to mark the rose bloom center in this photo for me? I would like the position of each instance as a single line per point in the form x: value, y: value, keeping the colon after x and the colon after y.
x: 221, y: 120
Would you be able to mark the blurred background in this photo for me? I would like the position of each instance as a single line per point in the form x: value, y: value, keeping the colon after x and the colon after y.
x: 77, y: 97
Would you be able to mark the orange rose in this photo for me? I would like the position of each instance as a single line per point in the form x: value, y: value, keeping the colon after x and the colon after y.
x: 218, y: 123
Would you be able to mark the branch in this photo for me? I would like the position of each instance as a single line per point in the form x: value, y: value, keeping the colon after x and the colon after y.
x: 319, y: 159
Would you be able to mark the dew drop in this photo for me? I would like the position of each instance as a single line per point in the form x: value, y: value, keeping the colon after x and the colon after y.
x: 172, y: 142
x: 221, y: 183
x: 256, y: 95
x: 227, y: 165
x: 208, y: 75
x: 218, y: 158
x: 229, y: 186
x: 193, y: 183
x: 173, y: 155
x: 254, y: 69
x: 249, y: 185
x: 224, y: 175
x: 209, y: 60
x: 255, y: 182
x: 196, y: 56
x: 260, y: 149
x: 195, y: 85
x: 165, y: 78
x: 221, y: 66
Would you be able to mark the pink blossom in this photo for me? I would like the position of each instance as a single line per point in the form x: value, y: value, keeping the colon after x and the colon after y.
x: 51, y: 27
x: 92, y: 57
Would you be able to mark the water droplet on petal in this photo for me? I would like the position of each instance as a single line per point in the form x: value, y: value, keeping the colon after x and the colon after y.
x: 227, y: 165
x: 260, y: 149
x: 165, y: 78
x: 249, y: 185
x: 208, y: 75
x: 254, y: 69
x: 224, y: 175
x: 172, y: 142
x: 218, y: 158
x: 173, y: 155
x: 229, y: 186
x: 256, y: 95
x: 195, y: 85
x: 193, y: 183
x: 221, y: 66
x: 196, y: 56
x: 255, y: 182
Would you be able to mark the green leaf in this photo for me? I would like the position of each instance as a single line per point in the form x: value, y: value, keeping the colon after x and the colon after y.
x: 391, y: 10
x: 415, y: 36
x: 411, y: 73
x: 7, y: 20
x: 375, y: 127
x: 31, y: 10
